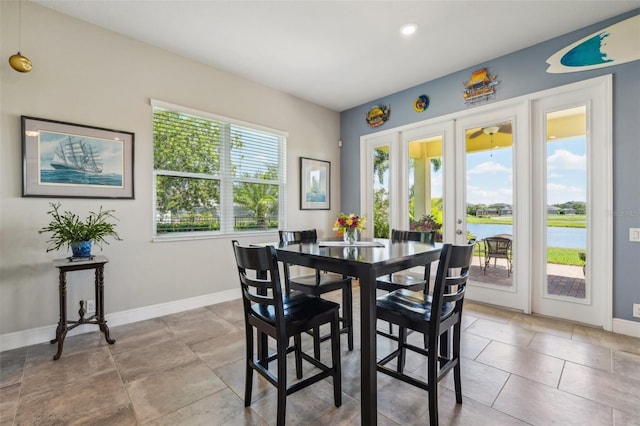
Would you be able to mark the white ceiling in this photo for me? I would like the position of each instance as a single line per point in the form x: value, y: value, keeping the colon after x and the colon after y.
x: 341, y: 54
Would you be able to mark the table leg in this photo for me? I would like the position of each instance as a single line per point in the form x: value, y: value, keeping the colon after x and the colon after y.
x: 61, y: 330
x: 369, y: 404
x: 99, y: 283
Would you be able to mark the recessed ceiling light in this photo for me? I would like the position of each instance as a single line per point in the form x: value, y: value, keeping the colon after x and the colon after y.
x: 408, y: 29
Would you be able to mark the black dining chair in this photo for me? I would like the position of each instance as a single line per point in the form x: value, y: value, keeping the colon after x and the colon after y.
x: 435, y: 316
x: 282, y: 316
x: 406, y: 280
x: 318, y: 283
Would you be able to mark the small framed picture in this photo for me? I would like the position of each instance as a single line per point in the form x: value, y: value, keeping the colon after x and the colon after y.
x: 315, y: 184
x: 74, y: 161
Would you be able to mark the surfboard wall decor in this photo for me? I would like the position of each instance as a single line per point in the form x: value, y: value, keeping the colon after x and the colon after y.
x: 613, y: 45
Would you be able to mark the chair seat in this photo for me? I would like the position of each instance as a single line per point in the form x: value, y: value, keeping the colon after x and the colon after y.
x: 413, y: 306
x: 399, y: 281
x: 328, y: 282
x: 299, y: 311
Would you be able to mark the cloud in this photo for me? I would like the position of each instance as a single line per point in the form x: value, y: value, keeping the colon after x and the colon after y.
x: 489, y: 167
x: 565, y: 160
x: 480, y: 195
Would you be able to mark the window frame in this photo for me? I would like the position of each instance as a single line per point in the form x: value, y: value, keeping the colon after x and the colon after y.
x: 224, y: 176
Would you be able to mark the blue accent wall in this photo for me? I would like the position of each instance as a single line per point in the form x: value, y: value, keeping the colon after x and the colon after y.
x: 521, y: 73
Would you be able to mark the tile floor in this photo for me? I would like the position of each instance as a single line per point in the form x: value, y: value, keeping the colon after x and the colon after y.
x: 188, y: 369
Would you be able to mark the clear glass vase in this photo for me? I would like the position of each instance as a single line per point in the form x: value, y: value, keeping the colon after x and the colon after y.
x: 350, y: 235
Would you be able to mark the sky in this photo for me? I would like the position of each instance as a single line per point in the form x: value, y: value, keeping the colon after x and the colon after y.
x: 490, y: 174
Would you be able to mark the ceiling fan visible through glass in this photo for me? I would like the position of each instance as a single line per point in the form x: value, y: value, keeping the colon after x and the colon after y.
x: 492, y: 130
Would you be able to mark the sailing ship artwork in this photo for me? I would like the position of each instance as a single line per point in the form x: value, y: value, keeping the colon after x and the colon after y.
x: 67, y: 159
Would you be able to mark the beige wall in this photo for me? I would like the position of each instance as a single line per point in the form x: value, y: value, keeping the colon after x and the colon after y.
x: 85, y: 74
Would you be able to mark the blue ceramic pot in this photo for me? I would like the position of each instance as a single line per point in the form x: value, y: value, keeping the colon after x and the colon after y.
x: 81, y: 249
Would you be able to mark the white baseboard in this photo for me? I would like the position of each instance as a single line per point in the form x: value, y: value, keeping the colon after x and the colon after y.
x: 37, y: 335
x: 34, y: 336
x: 626, y: 327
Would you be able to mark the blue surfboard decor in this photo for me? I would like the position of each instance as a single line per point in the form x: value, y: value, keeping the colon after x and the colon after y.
x: 613, y: 45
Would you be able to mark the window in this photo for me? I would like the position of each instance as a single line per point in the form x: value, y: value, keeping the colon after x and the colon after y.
x: 215, y: 175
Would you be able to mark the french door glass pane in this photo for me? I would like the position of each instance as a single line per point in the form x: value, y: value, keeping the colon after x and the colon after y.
x: 489, y: 191
x: 381, y: 192
x: 566, y: 209
x: 425, y: 185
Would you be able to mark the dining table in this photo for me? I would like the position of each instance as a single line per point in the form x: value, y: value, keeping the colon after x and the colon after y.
x: 365, y: 260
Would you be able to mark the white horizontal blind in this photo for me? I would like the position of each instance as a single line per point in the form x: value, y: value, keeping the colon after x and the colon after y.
x: 232, y: 173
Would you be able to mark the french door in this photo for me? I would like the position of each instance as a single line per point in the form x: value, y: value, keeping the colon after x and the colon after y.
x: 490, y: 172
x: 571, y: 153
x: 535, y: 171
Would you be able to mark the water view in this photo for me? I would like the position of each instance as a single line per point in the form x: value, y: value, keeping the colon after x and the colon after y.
x: 556, y: 236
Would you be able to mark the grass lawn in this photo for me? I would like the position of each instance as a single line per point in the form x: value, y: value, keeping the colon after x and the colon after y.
x: 557, y: 255
x: 566, y: 221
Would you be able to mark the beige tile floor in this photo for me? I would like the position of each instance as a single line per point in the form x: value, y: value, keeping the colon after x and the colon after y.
x: 188, y: 369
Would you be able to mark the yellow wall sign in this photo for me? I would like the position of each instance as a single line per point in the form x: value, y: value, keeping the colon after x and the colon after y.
x: 378, y: 115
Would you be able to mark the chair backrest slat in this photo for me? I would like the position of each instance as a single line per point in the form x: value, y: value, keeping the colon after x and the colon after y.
x: 453, y: 272
x: 263, y: 288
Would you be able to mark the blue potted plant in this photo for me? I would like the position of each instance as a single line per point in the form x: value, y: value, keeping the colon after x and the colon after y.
x: 67, y: 229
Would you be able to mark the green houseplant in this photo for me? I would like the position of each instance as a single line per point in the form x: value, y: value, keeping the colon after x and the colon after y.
x: 66, y: 229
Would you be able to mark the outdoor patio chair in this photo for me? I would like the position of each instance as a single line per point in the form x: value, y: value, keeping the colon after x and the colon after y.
x: 497, y: 247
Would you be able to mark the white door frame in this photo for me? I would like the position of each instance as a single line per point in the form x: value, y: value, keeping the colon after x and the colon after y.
x: 596, y: 308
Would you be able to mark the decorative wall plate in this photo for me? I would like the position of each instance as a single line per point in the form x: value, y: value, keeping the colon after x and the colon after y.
x: 421, y: 103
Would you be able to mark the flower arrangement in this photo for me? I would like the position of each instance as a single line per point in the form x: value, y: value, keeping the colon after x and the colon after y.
x: 347, y: 225
x: 350, y: 221
x: 425, y: 223
x: 428, y: 223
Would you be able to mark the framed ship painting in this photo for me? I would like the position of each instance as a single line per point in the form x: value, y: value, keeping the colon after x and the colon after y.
x: 315, y: 179
x: 71, y: 160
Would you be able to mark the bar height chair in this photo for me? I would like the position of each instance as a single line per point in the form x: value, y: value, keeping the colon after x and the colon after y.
x: 282, y: 316
x: 318, y: 283
x: 435, y: 316
x: 406, y: 280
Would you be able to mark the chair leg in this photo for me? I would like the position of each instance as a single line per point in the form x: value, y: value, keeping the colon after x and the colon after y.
x: 335, y: 356
x: 402, y: 355
x: 248, y: 384
x: 282, y: 382
x: 432, y: 381
x: 297, y: 341
x: 316, y: 343
x: 456, y: 370
x: 347, y: 314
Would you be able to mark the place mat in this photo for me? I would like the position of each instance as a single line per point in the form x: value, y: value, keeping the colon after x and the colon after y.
x: 355, y: 244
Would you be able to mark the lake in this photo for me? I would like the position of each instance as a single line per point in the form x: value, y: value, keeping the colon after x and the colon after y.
x: 556, y: 236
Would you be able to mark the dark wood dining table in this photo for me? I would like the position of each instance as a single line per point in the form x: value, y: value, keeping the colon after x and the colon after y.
x: 366, y: 263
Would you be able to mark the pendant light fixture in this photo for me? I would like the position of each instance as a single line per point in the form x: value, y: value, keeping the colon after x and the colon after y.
x: 18, y: 62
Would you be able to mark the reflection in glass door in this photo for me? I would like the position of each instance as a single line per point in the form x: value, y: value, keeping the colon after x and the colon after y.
x: 426, y: 185
x: 381, y: 189
x: 489, y: 203
x: 566, y: 203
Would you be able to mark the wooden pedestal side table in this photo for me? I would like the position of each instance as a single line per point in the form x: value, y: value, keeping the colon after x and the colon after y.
x: 69, y: 265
